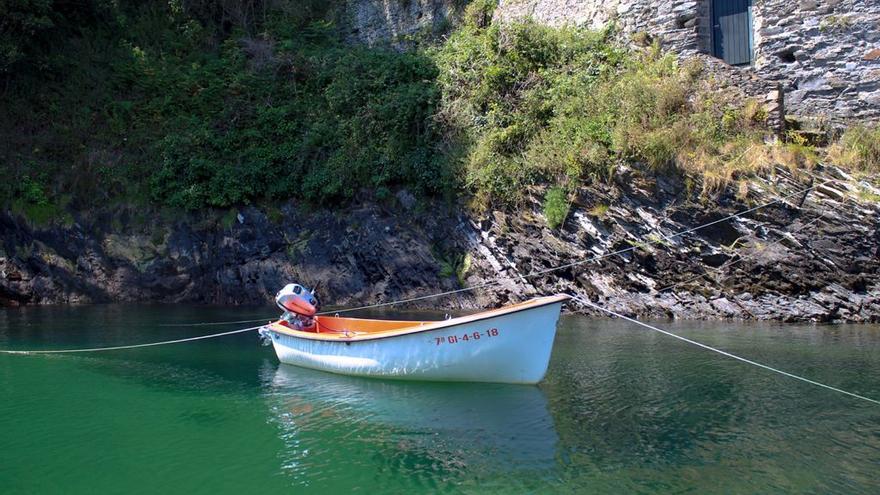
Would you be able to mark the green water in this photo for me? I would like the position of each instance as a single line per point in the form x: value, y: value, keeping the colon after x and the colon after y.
x: 622, y: 411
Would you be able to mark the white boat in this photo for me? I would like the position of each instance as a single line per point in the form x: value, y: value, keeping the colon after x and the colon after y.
x: 511, y: 344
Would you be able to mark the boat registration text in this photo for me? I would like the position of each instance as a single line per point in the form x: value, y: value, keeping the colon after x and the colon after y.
x: 467, y: 337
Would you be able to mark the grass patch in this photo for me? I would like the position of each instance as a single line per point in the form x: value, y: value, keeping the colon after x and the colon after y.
x: 42, y: 215
x: 274, y: 215
x: 36, y: 205
x: 654, y: 238
x: 866, y: 194
x: 567, y: 105
x: 229, y: 218
x: 599, y: 210
x: 463, y: 268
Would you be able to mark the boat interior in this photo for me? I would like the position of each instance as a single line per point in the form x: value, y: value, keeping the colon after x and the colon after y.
x: 356, y: 326
x: 344, y: 328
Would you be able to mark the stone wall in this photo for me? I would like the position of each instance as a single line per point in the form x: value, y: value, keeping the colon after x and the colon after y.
x: 825, y: 53
x: 397, y: 22
x: 677, y: 23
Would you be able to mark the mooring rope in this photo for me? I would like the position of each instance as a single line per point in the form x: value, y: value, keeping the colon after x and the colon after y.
x: 133, y: 346
x: 632, y: 247
x: 743, y: 258
x: 719, y: 351
x: 210, y: 323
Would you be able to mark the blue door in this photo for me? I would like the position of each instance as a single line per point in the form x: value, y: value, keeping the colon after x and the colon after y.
x: 732, y: 31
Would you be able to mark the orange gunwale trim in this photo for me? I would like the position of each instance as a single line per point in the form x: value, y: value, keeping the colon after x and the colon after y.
x: 341, y: 329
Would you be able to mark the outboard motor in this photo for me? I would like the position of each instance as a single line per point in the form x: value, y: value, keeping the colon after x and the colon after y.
x: 299, y: 305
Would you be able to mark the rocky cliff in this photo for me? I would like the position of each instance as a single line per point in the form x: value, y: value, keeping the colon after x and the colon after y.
x: 813, y: 258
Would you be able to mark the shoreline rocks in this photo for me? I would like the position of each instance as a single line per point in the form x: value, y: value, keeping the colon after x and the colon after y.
x: 811, y: 259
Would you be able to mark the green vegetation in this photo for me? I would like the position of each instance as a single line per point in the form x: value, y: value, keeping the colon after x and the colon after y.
x: 31, y: 201
x: 562, y: 105
x: 221, y: 104
x: 599, y: 211
x: 556, y: 207
x: 508, y: 94
x: 865, y: 194
x: 795, y: 153
x: 833, y: 23
x: 158, y: 102
x: 21, y: 24
x: 453, y: 264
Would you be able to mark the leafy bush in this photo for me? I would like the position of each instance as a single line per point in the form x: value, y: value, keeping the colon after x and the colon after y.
x: 453, y: 264
x: 316, y: 120
x: 503, y: 85
x: 289, y: 113
x: 20, y: 24
x: 30, y: 29
x: 478, y: 14
x: 32, y: 191
x: 31, y: 200
x: 562, y: 105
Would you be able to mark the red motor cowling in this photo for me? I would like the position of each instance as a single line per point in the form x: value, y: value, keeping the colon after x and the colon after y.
x: 297, y: 299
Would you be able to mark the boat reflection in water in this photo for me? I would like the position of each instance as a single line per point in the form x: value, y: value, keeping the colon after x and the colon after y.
x: 423, y: 430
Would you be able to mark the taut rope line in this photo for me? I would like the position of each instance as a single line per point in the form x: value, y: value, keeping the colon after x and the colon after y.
x: 133, y: 346
x: 742, y: 258
x: 209, y: 323
x: 588, y: 260
x: 723, y: 353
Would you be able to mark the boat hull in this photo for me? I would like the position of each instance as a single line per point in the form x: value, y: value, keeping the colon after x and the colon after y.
x: 507, y: 348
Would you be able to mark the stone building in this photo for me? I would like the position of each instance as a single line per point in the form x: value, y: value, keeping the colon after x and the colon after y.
x: 823, y: 54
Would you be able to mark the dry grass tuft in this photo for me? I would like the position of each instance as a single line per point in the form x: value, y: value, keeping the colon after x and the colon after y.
x: 858, y: 149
